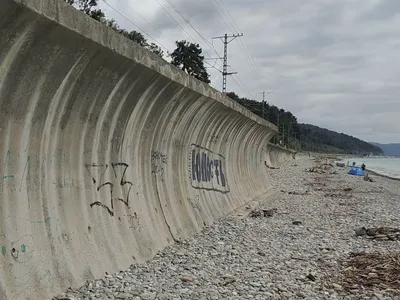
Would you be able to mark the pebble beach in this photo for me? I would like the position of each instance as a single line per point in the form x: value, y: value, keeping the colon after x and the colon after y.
x: 324, y: 235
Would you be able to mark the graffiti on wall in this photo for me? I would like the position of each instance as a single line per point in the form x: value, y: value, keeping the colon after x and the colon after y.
x: 207, y: 170
x: 15, y: 172
x: 10, y: 179
x: 158, y: 161
x: 113, y: 178
x: 19, y: 243
x: 6, y: 176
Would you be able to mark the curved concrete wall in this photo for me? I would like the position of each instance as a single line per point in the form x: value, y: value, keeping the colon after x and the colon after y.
x: 277, y: 154
x: 107, y: 153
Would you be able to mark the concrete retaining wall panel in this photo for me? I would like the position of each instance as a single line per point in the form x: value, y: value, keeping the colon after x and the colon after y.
x: 107, y: 152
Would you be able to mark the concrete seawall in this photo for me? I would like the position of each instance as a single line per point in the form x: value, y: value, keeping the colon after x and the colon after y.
x: 107, y: 152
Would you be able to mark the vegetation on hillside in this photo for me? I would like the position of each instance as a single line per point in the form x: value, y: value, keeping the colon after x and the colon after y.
x: 325, y: 140
x: 188, y: 57
x: 306, y: 137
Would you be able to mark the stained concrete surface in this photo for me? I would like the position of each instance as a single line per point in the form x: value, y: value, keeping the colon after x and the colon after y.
x: 107, y: 152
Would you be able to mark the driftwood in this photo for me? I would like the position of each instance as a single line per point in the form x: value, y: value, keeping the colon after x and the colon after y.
x: 379, y: 233
x: 270, y: 167
x: 315, y: 170
x: 263, y: 213
x: 372, y: 271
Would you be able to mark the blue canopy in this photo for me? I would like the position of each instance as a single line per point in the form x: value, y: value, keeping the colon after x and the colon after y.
x: 357, y: 171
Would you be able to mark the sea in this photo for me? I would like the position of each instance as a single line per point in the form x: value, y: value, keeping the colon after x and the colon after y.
x: 387, y: 166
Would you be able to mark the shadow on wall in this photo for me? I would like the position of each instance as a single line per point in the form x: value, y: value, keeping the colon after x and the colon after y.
x: 108, y: 153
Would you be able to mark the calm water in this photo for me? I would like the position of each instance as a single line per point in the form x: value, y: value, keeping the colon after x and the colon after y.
x: 385, y: 165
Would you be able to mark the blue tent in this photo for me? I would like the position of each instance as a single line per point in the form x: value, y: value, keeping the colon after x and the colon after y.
x: 356, y: 171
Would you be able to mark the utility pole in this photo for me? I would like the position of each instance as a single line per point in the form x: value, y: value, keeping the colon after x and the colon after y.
x: 263, y: 102
x: 225, y: 66
x: 279, y: 130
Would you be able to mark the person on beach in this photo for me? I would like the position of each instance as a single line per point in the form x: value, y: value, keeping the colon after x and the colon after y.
x: 363, y: 167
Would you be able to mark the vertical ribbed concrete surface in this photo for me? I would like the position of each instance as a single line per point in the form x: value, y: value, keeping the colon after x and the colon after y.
x: 107, y: 153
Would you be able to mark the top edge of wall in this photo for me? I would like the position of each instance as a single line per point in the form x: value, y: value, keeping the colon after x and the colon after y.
x: 72, y: 19
x: 282, y: 148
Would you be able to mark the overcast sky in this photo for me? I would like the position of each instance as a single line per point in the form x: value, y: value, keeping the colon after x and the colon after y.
x: 332, y: 63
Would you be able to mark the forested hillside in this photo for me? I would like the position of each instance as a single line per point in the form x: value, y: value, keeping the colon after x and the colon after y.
x: 331, y: 141
x: 306, y: 137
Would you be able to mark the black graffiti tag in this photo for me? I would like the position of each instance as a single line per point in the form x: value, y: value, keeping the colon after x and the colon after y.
x: 116, y: 169
x: 207, y: 170
x: 158, y: 161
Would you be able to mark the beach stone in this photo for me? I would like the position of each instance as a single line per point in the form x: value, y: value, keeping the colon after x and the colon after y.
x: 337, y: 286
x: 361, y: 231
x: 301, y: 295
x: 123, y: 296
x: 255, y: 284
x: 269, y: 258
x: 187, y: 278
x: 147, y: 296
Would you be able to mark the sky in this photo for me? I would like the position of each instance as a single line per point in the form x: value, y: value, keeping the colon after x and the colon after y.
x: 332, y: 63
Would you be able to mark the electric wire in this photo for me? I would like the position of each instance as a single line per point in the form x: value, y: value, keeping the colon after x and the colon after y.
x: 234, y: 27
x: 236, y: 79
x: 139, y: 28
x: 187, y: 22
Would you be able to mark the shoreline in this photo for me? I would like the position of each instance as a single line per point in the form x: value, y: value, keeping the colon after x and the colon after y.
x: 382, y: 175
x: 371, y: 172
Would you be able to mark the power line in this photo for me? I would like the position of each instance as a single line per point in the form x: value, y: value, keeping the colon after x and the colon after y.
x: 201, y: 36
x: 235, y: 27
x: 162, y: 46
x: 212, y: 66
x: 239, y: 83
x: 172, y: 17
x: 234, y: 22
x: 177, y: 22
x: 237, y: 80
x: 151, y: 25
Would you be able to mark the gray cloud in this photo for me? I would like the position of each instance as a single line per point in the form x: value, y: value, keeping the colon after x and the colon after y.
x: 332, y: 63
x: 385, y: 9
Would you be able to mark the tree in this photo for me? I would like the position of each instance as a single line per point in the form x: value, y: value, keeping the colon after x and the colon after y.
x: 134, y: 36
x: 137, y: 37
x: 155, y: 49
x: 187, y: 56
x: 89, y: 7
